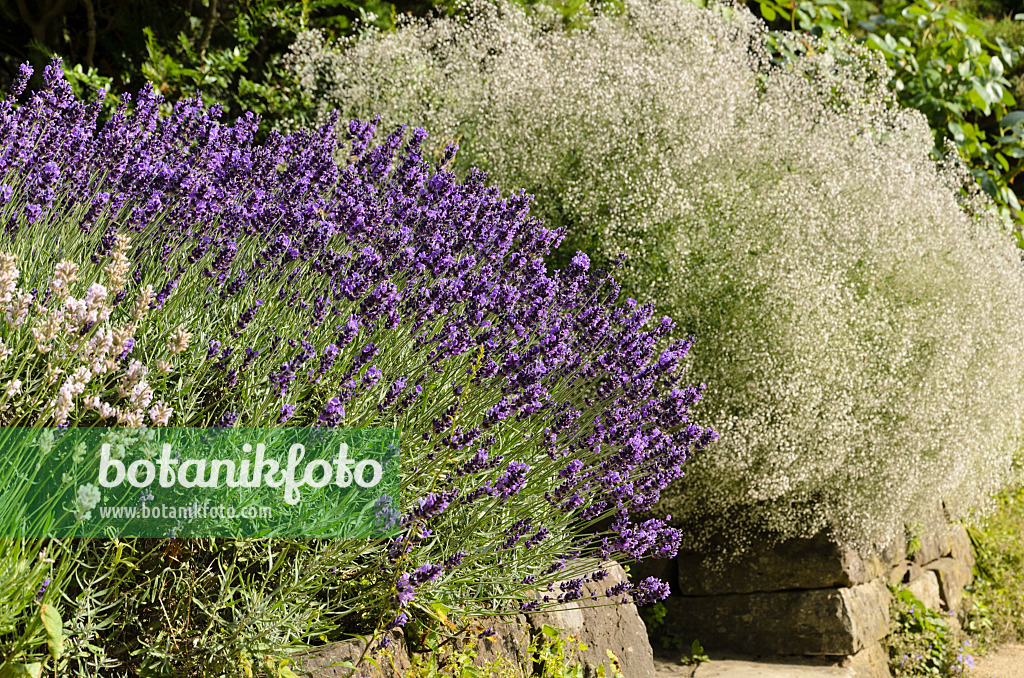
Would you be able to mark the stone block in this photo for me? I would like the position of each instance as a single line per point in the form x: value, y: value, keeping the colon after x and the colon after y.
x: 665, y: 569
x: 506, y: 647
x: 335, y: 660
x: 953, y: 575
x: 926, y: 589
x: 871, y: 662
x: 672, y: 668
x: 839, y: 621
x: 960, y: 545
x: 914, y: 571
x: 814, y: 563
x: 939, y: 541
x: 899, y: 573
x: 895, y: 552
x: 602, y: 627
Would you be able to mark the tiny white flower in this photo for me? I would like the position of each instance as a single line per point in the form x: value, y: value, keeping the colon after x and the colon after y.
x: 45, y: 441
x: 88, y: 497
x: 131, y: 418
x: 141, y: 395
x: 160, y: 414
x: 178, y: 341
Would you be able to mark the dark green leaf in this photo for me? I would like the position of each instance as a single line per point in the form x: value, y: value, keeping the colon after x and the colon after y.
x: 1011, y: 119
x: 987, y: 184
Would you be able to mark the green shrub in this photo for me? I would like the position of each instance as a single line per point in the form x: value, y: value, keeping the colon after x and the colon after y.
x: 229, y: 50
x: 946, y: 64
x: 854, y: 311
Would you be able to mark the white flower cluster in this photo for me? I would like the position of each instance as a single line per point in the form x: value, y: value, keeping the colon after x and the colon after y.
x: 858, y: 323
x: 88, y: 497
x: 62, y: 335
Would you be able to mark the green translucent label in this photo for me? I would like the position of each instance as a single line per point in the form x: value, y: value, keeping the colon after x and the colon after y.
x: 199, y: 482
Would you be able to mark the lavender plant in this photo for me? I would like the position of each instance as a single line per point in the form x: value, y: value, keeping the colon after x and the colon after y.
x: 170, y: 271
x: 857, y: 315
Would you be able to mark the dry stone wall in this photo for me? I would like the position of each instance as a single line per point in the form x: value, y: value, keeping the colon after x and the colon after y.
x: 811, y: 597
x: 808, y: 599
x: 618, y: 628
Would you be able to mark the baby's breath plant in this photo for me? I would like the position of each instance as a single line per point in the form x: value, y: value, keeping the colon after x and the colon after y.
x: 591, y: 121
x: 857, y: 315
x: 172, y: 272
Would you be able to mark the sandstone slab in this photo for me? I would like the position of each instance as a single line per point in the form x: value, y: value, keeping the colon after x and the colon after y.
x: 814, y: 563
x: 926, y: 589
x: 960, y: 545
x: 666, y: 668
x: 953, y: 575
x: 871, y: 662
x: 939, y: 541
x: 757, y: 669
x: 900, y: 573
x: 814, y: 622
x: 602, y: 627
x: 337, y: 659
x: 506, y: 647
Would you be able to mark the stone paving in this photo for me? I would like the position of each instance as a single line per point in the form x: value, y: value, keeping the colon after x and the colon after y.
x: 738, y: 668
x: 1006, y: 662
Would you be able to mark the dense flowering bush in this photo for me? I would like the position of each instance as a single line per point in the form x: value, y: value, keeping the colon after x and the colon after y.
x: 169, y: 271
x: 857, y: 317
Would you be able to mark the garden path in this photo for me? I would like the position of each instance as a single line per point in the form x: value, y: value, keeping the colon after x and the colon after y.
x: 1005, y: 662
